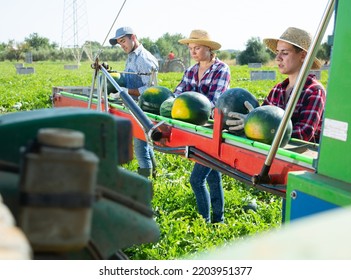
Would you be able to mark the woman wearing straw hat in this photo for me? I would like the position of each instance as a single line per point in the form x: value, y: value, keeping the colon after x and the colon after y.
x: 291, y: 49
x: 211, y: 77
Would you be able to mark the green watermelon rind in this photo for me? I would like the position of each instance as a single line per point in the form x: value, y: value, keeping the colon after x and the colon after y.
x: 198, y: 105
x: 151, y: 102
x: 166, y: 107
x: 232, y: 100
x: 119, y: 80
x: 266, y: 120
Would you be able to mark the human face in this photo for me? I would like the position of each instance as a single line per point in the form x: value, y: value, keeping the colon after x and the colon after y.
x: 126, y: 43
x: 199, y: 52
x: 288, y: 58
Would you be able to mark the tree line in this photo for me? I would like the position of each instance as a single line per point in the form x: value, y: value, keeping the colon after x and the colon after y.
x: 42, y: 49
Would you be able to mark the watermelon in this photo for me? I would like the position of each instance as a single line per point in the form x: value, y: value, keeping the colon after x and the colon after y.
x: 166, y: 107
x: 119, y: 79
x: 262, y: 123
x: 152, y: 98
x: 232, y: 100
x: 192, y: 107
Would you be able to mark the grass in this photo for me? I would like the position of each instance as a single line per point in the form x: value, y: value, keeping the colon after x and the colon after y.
x: 183, y: 231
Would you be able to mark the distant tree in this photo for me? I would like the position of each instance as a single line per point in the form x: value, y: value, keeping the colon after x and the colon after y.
x: 324, y: 52
x: 255, y: 52
x: 224, y: 55
x: 15, y: 51
x: 147, y: 43
x: 36, y: 42
x: 168, y: 43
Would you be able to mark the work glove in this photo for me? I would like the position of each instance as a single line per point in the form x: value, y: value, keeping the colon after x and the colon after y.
x: 237, y: 120
x: 114, y: 95
x: 117, y: 95
x: 106, y: 66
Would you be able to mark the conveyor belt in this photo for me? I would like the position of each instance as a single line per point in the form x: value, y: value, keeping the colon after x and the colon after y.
x: 236, y: 156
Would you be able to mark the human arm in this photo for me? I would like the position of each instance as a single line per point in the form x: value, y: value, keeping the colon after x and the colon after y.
x: 236, y: 121
x: 308, y: 112
x: 307, y: 116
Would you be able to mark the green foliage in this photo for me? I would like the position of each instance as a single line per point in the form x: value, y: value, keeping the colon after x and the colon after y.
x: 33, y: 91
x: 254, y: 52
x: 183, y: 231
x: 37, y: 42
x: 324, y: 52
x: 224, y: 55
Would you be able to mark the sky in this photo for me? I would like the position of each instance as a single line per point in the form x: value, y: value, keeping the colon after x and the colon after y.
x: 229, y: 22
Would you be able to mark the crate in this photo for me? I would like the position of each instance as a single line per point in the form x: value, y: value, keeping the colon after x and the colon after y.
x: 317, y: 73
x: 19, y: 65
x: 74, y: 90
x: 262, y: 75
x: 255, y: 65
x: 70, y: 67
x: 25, y: 70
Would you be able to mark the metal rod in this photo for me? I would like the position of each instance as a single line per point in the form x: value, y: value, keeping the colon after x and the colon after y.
x: 92, y: 86
x: 301, y: 78
x: 135, y: 110
x: 134, y: 73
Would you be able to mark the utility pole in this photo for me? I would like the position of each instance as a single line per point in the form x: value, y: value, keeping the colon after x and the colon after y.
x: 75, y: 30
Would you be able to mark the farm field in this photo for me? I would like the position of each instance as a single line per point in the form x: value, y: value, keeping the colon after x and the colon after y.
x: 183, y: 231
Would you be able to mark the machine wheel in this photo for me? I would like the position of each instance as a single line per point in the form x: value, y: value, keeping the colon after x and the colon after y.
x: 176, y: 66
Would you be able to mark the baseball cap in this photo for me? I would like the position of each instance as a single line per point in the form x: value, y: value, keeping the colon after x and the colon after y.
x: 121, y: 32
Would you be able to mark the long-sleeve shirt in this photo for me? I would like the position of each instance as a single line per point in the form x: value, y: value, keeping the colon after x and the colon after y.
x: 214, y: 82
x: 308, y: 113
x: 139, y: 61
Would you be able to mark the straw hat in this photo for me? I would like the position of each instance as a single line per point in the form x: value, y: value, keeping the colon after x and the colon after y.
x: 201, y: 37
x: 296, y: 37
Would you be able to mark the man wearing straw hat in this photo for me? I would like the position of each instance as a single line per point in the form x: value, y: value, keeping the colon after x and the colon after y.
x: 210, y: 77
x: 291, y: 49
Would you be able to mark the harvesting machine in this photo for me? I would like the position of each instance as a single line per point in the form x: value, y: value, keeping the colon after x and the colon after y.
x: 311, y: 178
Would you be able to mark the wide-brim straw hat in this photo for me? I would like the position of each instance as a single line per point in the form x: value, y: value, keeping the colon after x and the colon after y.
x: 201, y: 37
x: 297, y: 37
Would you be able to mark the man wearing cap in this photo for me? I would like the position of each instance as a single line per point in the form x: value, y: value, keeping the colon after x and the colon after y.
x: 291, y: 49
x: 139, y: 61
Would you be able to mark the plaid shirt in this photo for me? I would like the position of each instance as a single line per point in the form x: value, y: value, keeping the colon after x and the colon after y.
x: 308, y: 113
x: 214, y: 82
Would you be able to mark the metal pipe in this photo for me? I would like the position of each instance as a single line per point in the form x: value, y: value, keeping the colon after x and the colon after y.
x: 301, y: 78
x: 135, y: 110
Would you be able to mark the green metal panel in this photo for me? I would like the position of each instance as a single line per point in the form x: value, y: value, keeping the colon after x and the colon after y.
x: 335, y: 157
x: 107, y: 136
x: 122, y: 212
x: 318, y: 186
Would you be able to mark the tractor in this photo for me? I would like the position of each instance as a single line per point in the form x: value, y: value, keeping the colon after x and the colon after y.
x: 167, y: 64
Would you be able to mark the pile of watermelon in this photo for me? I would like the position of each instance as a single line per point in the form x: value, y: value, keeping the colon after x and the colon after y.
x: 260, y: 125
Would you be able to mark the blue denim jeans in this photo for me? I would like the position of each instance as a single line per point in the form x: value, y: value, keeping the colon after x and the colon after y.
x: 206, y: 198
x: 143, y: 153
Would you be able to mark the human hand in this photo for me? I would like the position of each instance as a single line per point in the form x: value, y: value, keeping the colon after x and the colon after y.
x: 106, y: 66
x: 124, y: 89
x: 237, y: 120
x: 114, y: 95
